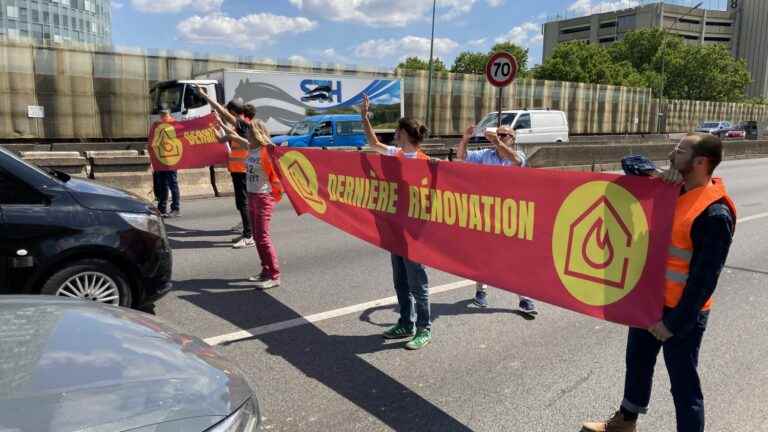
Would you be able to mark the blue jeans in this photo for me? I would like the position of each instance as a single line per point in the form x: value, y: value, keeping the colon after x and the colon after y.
x: 162, y: 182
x: 411, y: 286
x: 681, y: 355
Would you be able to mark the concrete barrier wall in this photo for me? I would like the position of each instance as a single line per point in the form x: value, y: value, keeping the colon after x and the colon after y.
x: 130, y: 170
x: 100, y: 94
x: 610, y: 155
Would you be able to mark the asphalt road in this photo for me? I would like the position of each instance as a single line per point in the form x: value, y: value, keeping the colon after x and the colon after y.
x: 486, y: 370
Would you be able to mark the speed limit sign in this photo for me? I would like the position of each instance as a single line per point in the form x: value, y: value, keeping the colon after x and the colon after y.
x: 501, y: 69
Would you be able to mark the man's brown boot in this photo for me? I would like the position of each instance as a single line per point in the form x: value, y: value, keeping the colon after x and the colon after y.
x: 615, y: 424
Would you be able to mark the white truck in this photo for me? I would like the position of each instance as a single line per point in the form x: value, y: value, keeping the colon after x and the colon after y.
x: 282, y: 99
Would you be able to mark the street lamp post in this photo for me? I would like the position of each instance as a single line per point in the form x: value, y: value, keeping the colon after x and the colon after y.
x: 428, y: 120
x: 663, y: 126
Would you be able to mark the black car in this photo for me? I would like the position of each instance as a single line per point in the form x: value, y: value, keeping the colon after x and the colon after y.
x: 71, y: 237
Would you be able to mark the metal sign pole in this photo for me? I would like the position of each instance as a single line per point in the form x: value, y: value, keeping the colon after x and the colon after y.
x: 498, y: 108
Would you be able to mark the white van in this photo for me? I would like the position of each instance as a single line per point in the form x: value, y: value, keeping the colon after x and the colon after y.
x: 532, y: 126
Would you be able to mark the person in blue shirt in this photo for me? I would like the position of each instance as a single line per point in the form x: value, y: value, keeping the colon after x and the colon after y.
x: 503, y: 153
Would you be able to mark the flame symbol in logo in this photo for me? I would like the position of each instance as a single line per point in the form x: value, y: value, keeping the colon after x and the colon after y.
x: 604, y: 244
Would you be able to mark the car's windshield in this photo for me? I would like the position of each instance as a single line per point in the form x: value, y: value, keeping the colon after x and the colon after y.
x: 490, y: 120
x: 166, y: 96
x: 47, y: 173
x: 710, y: 125
x: 301, y: 128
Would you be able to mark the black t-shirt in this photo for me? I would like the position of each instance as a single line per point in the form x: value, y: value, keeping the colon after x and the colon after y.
x: 241, y: 127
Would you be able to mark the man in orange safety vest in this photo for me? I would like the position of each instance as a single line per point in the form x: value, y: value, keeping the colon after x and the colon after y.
x: 702, y: 231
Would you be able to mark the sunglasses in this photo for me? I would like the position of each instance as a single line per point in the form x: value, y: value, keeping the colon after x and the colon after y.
x: 503, y: 135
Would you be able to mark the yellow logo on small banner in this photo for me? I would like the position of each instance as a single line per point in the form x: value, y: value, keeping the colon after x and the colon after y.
x: 303, y: 178
x: 168, y: 147
x: 600, y: 243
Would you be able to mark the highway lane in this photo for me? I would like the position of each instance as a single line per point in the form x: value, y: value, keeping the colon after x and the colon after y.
x: 486, y: 370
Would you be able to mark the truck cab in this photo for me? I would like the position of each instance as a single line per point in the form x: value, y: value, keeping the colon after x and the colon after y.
x: 180, y: 97
x: 331, y: 130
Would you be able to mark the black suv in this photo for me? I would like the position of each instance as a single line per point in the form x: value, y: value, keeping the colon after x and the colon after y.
x: 71, y: 237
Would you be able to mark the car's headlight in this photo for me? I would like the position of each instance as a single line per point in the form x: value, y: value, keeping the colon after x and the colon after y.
x: 145, y: 222
x: 245, y: 419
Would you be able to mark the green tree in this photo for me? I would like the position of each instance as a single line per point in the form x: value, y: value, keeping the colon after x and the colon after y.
x: 690, y: 71
x: 707, y: 72
x: 521, y: 54
x: 416, y: 63
x: 580, y: 62
x: 470, y: 62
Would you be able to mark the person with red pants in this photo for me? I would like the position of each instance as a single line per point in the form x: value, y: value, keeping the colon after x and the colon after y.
x: 264, y: 191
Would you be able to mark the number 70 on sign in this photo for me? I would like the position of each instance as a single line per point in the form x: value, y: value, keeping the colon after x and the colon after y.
x: 501, y: 69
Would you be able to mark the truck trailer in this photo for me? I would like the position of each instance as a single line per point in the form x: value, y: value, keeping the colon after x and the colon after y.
x: 283, y: 99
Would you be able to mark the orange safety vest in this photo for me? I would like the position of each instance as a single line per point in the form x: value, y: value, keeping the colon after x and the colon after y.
x: 237, y: 156
x: 419, y: 154
x: 689, y: 206
x: 269, y: 169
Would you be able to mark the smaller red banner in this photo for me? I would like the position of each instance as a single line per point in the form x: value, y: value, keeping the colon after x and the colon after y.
x: 185, y: 145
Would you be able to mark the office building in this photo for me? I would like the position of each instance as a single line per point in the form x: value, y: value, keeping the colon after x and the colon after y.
x: 742, y: 28
x: 57, y: 21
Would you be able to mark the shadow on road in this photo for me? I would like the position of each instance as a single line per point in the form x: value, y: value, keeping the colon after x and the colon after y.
x: 177, y: 236
x: 463, y: 307
x: 333, y: 360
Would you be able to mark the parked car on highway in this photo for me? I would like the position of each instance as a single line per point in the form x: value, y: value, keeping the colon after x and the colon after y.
x: 72, y: 365
x: 532, y: 126
x: 719, y: 128
x: 330, y: 130
x: 736, y: 133
x: 745, y: 129
x: 72, y: 237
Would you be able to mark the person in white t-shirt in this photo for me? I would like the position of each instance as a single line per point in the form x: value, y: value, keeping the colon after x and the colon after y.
x: 410, y: 278
x: 263, y: 192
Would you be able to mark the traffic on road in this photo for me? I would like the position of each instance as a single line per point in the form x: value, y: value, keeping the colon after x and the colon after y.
x: 345, y: 279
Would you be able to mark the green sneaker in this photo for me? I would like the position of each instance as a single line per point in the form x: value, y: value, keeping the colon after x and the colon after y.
x: 398, y: 332
x: 422, y: 338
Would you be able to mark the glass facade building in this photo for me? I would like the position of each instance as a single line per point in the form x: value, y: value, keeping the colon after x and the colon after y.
x: 57, y: 21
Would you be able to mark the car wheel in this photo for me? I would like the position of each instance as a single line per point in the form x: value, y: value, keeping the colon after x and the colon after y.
x: 90, y: 279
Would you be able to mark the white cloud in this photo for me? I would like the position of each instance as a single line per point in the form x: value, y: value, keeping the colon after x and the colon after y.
x: 588, y: 7
x: 299, y: 60
x: 495, y: 3
x: 477, y: 42
x: 526, y: 35
x: 331, y: 56
x: 249, y: 32
x: 408, y: 46
x: 117, y: 5
x: 382, y: 13
x: 166, y: 6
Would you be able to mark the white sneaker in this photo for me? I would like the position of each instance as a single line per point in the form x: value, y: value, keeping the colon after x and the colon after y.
x: 268, y: 284
x: 244, y: 243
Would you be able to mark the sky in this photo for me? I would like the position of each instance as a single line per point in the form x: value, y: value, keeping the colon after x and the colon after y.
x: 373, y: 33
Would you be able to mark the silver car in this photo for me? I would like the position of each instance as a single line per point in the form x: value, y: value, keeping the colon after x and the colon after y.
x: 719, y: 128
x: 73, y: 365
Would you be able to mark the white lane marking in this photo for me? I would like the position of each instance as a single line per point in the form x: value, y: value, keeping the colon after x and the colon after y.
x: 751, y: 218
x: 322, y: 316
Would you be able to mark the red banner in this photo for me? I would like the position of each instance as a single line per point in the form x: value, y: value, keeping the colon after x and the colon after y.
x: 185, y: 144
x: 592, y: 243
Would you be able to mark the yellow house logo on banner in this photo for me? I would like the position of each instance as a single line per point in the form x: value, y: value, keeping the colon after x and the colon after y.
x: 167, y: 146
x: 303, y: 178
x: 600, y: 243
